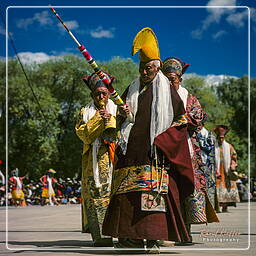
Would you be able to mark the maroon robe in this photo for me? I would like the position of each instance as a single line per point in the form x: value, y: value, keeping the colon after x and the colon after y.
x: 124, y: 218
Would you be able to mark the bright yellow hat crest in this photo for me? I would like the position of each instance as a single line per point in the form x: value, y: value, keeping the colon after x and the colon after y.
x: 147, y: 43
x: 51, y: 171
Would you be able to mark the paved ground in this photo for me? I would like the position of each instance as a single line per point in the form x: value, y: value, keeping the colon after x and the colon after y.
x: 42, y: 231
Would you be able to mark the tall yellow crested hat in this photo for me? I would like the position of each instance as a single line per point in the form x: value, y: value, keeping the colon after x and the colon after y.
x: 147, y: 43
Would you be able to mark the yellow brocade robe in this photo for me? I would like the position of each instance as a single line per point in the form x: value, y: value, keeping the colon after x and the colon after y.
x: 95, y: 198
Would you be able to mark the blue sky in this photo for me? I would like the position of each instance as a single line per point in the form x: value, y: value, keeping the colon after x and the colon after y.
x: 212, y: 40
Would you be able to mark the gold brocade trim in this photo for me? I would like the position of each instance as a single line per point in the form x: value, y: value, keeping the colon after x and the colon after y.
x: 181, y: 120
x: 140, y: 178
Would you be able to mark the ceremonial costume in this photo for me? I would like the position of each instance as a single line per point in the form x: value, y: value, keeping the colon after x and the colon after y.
x: 98, y: 137
x: 48, y: 194
x: 153, y: 173
x: 48, y: 182
x: 198, y: 207
x: 226, y: 164
x: 17, y: 188
x: 17, y: 192
x: 207, y: 142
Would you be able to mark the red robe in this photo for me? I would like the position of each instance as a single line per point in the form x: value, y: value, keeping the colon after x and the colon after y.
x: 124, y: 218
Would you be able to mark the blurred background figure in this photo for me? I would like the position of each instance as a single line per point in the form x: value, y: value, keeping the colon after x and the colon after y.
x: 198, y: 207
x: 67, y: 191
x: 2, y: 186
x: 253, y: 188
x: 226, y: 165
x: 16, y: 185
x: 48, y: 194
x: 243, y: 188
x: 33, y: 193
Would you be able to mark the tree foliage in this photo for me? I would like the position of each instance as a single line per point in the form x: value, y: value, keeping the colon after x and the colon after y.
x: 234, y: 93
x: 217, y: 113
x: 41, y: 131
x: 227, y: 104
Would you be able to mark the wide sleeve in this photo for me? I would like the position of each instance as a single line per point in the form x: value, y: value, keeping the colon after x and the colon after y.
x: 207, y: 143
x: 173, y: 143
x: 195, y: 113
x: 89, y: 131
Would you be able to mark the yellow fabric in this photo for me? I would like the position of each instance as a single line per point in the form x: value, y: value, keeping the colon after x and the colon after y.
x: 146, y: 42
x: 94, y: 198
x: 17, y: 194
x: 139, y: 178
x: 46, y: 194
x: 210, y: 212
x: 90, y: 131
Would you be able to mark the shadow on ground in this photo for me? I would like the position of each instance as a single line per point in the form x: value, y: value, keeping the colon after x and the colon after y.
x: 58, y: 243
x: 76, y: 246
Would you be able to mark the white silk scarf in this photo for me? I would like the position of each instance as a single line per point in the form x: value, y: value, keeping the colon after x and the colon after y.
x: 226, y: 156
x: 161, y: 109
x: 89, y: 111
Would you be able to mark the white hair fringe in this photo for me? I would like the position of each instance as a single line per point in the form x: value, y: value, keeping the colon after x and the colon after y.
x: 156, y: 63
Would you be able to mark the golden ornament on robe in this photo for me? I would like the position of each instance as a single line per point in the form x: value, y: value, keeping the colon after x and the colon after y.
x: 102, y: 104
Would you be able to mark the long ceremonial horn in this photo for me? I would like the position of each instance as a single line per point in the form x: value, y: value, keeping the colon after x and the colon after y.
x: 104, y: 78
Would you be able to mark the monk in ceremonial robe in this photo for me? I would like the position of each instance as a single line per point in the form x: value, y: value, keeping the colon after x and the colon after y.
x: 96, y: 128
x: 197, y: 208
x: 153, y: 174
x: 226, y: 165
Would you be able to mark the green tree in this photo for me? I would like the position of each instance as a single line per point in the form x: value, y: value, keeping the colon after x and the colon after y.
x: 227, y: 104
x: 124, y: 71
x: 63, y: 77
x: 217, y: 113
x: 253, y: 125
x: 32, y: 126
x: 41, y: 134
x: 234, y: 94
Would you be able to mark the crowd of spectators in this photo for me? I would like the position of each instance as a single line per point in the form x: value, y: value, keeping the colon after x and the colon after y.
x: 67, y: 191
x: 243, y: 188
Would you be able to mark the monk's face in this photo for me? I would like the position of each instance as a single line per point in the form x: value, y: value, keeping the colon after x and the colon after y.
x: 101, y: 94
x: 148, y: 71
x: 174, y: 79
x: 220, y: 139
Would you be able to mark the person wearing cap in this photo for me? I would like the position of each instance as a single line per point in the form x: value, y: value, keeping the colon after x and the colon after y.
x: 96, y: 127
x: 198, y: 208
x: 226, y: 165
x: 153, y: 173
x: 48, y: 193
x: 16, y: 183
